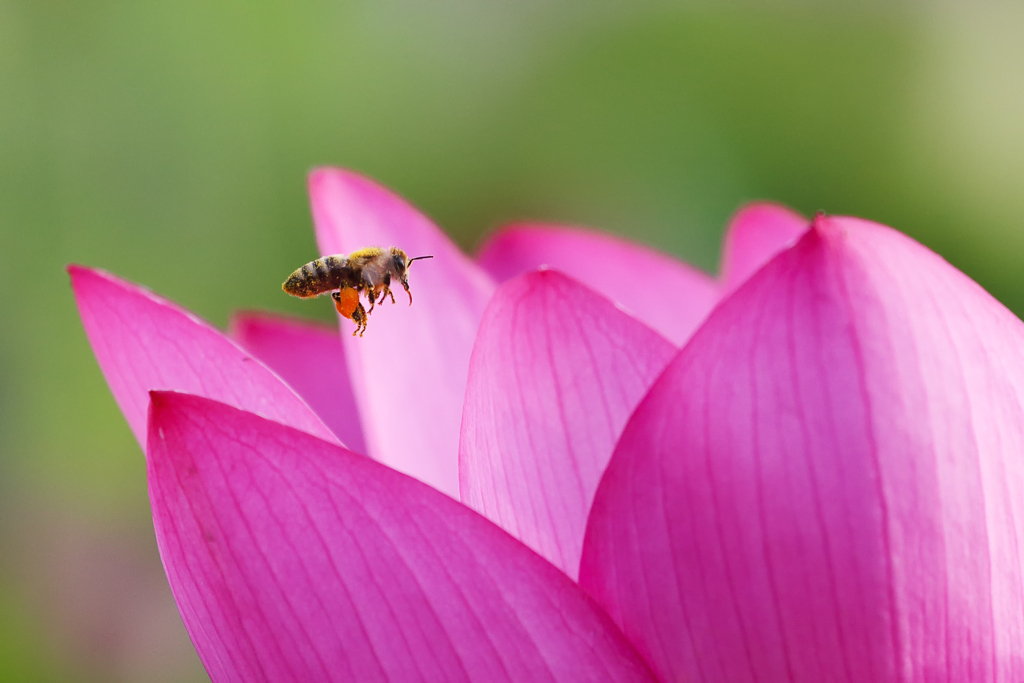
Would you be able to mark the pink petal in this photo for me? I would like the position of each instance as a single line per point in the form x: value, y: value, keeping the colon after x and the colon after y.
x: 666, y: 294
x: 409, y: 370
x: 827, y: 484
x: 310, y: 358
x: 143, y: 342
x: 556, y: 371
x: 294, y: 560
x: 756, y: 234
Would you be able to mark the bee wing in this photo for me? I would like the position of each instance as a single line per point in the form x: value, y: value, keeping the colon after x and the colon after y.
x: 373, y: 272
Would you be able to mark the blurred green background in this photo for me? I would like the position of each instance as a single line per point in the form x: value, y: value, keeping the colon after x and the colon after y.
x: 169, y: 143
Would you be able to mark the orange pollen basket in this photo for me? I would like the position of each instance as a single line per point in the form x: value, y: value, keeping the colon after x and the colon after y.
x: 347, y: 302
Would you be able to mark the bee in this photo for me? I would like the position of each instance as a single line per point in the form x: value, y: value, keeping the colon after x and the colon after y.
x: 368, y: 271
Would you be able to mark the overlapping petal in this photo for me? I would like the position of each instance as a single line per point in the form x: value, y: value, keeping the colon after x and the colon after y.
x: 756, y: 234
x: 292, y: 559
x: 311, y: 359
x: 827, y: 482
x: 670, y: 296
x: 410, y: 400
x: 143, y: 342
x: 556, y: 371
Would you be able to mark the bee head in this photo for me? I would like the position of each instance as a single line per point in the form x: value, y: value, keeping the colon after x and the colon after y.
x: 400, y: 265
x: 399, y: 262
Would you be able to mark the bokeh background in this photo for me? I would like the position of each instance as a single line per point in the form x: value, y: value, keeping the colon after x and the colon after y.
x: 169, y: 142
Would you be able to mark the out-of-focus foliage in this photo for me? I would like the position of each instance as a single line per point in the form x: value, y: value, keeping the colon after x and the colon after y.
x: 169, y: 142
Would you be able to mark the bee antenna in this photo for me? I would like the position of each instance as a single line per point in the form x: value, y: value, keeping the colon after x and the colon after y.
x: 418, y: 258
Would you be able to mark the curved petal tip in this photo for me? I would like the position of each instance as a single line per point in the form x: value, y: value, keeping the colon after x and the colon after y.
x: 144, y: 342
x: 409, y: 370
x: 556, y: 371
x: 755, y: 234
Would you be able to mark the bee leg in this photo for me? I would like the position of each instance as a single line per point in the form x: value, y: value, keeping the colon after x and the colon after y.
x: 359, y: 316
x: 386, y: 289
x: 372, y: 298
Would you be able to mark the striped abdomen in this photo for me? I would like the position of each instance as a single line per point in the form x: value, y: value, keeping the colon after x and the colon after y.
x: 321, y: 276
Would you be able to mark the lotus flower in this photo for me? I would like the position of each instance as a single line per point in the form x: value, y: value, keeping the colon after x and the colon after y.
x: 609, y: 468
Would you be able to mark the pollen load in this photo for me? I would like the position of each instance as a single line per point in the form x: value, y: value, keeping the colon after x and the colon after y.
x: 321, y: 276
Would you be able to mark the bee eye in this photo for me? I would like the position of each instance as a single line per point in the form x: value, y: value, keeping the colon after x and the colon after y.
x: 399, y: 262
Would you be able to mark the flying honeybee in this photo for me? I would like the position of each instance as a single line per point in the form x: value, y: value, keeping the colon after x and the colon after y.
x: 366, y: 271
